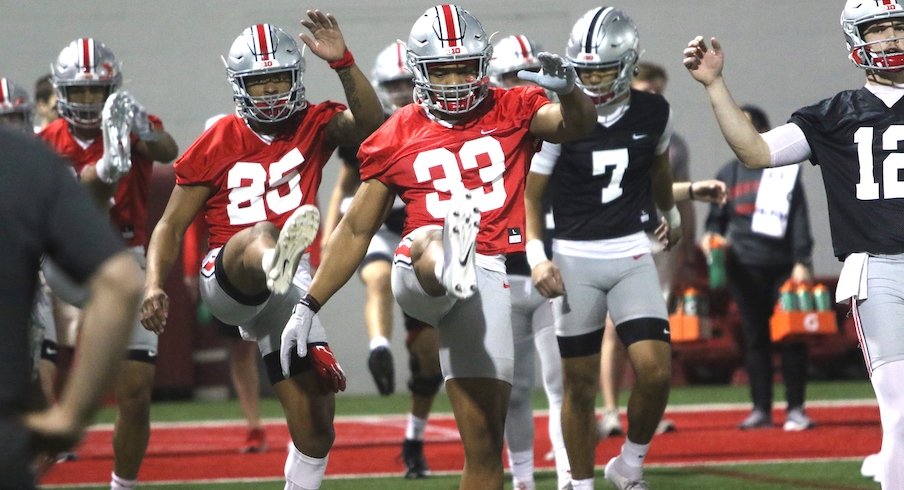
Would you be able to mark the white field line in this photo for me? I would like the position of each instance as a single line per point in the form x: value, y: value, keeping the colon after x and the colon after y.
x: 402, y: 418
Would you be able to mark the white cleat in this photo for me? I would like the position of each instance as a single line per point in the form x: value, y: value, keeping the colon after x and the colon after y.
x: 296, y: 235
x: 615, y: 474
x: 116, y: 126
x: 459, y: 243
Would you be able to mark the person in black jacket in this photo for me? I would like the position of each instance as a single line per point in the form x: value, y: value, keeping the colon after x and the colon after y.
x: 766, y: 245
x: 62, y: 223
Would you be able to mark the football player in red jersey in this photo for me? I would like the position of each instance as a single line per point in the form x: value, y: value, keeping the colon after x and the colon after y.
x: 85, y: 74
x: 255, y: 175
x: 854, y: 137
x: 457, y: 158
x: 394, y: 84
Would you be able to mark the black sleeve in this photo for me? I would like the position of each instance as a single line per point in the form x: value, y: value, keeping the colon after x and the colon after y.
x: 78, y: 235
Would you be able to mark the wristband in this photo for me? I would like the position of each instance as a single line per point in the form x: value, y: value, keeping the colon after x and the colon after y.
x: 673, y: 217
x: 346, y: 61
x: 311, y: 302
x: 690, y: 191
x: 536, y: 252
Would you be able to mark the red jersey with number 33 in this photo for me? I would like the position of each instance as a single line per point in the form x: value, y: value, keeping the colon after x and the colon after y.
x: 252, y: 179
x: 129, y: 213
x: 488, y: 154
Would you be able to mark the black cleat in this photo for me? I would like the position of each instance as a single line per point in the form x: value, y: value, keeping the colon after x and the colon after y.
x: 413, y: 456
x: 382, y: 369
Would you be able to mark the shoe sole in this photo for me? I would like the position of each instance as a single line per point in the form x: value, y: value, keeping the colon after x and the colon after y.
x: 382, y: 369
x: 795, y: 427
x: 459, y: 243
x: 296, y: 235
x: 116, y: 121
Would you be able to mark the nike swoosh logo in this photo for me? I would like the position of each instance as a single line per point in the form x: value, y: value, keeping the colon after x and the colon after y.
x: 666, y: 331
x: 464, y: 260
x: 485, y: 131
x: 636, y: 136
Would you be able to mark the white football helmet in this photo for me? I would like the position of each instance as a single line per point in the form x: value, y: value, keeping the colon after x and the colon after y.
x: 444, y: 34
x: 84, y: 62
x: 15, y: 105
x: 264, y: 49
x: 511, y: 55
x: 390, y: 70
x: 604, y: 38
x: 856, y: 15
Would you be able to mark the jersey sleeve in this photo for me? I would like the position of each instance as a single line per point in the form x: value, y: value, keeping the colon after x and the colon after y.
x: 376, y: 151
x: 198, y: 164
x: 811, y: 120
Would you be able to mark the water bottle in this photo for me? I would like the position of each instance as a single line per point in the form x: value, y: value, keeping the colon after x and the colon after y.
x: 691, y: 300
x: 805, y: 300
x: 716, y: 262
x: 821, y: 297
x: 786, y: 299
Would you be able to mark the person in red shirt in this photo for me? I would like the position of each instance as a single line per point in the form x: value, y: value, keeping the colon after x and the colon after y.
x: 255, y: 175
x: 85, y: 74
x: 458, y: 159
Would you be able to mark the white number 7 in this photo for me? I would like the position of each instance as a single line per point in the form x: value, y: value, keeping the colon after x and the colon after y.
x: 604, y: 159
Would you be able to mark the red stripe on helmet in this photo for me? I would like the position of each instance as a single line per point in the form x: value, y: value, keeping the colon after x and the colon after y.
x: 449, y: 22
x: 525, y: 47
x: 86, y: 55
x: 262, y: 30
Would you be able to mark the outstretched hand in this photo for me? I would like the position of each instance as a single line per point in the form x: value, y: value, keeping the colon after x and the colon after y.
x: 703, y: 63
x: 326, y: 39
x: 711, y: 191
x: 555, y: 74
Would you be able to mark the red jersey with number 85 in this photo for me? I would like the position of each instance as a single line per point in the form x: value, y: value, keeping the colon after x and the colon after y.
x: 255, y: 179
x: 489, y: 154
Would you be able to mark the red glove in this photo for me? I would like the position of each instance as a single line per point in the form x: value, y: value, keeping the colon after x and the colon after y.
x: 327, y: 368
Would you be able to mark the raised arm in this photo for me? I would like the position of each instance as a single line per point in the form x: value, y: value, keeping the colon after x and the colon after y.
x: 365, y: 113
x: 184, y: 203
x: 705, y: 65
x: 574, y: 115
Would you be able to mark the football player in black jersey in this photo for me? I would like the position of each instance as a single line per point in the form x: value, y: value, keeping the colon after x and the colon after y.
x: 603, y: 188
x: 855, y: 138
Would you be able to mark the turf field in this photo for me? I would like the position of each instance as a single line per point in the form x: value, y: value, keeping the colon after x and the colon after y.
x: 196, y: 441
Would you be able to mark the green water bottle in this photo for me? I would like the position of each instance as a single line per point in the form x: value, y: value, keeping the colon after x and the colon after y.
x: 716, y: 262
x: 786, y: 298
x: 691, y: 302
x: 805, y: 300
x: 821, y: 297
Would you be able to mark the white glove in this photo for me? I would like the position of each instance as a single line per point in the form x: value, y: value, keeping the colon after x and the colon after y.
x: 141, y: 125
x: 555, y: 74
x: 296, y: 332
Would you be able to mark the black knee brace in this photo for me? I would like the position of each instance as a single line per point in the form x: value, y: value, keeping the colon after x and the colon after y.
x: 421, y: 384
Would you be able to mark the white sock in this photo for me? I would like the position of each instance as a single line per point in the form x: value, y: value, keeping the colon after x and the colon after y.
x: 522, y: 465
x: 633, y: 454
x: 586, y: 484
x: 303, y: 472
x: 379, y: 341
x: 267, y: 259
x: 416, y: 427
x: 120, y: 483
